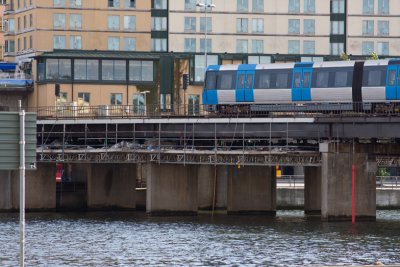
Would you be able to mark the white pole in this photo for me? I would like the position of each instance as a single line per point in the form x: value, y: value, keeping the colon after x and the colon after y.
x: 205, y: 38
x: 22, y: 184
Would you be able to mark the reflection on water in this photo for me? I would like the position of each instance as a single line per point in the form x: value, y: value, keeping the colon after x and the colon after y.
x: 120, y: 239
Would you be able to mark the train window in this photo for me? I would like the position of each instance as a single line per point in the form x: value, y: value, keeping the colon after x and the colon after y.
x: 306, y: 80
x: 240, y: 81
x: 273, y: 79
x: 341, y: 79
x: 249, y: 81
x: 392, y: 78
x: 374, y: 76
x: 226, y: 80
x: 282, y: 80
x: 264, y: 80
x: 211, y: 80
x: 297, y: 80
x: 322, y: 79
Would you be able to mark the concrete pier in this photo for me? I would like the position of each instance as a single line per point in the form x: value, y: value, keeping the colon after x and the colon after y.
x: 312, y: 190
x: 111, y: 186
x: 172, y: 189
x: 212, y: 187
x: 336, y: 189
x: 40, y: 188
x: 251, y: 190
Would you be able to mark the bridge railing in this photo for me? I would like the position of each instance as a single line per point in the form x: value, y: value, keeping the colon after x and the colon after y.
x: 72, y: 110
x: 388, y: 182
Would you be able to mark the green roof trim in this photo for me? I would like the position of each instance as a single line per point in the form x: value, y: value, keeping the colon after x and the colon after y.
x: 100, y: 54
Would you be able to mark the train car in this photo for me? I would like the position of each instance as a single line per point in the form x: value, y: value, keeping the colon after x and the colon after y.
x: 311, y: 86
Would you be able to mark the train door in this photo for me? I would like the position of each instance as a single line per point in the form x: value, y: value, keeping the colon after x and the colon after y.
x: 301, y: 85
x: 393, y: 82
x: 245, y: 86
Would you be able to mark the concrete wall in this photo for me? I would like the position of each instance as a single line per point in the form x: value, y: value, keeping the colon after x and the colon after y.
x: 251, y: 189
x: 172, y: 188
x: 290, y: 198
x: 312, y: 190
x: 111, y: 186
x: 212, y: 187
x: 387, y: 199
x: 40, y: 189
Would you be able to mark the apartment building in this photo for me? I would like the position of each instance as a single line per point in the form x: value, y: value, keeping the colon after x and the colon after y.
x: 2, y: 7
x: 109, y: 52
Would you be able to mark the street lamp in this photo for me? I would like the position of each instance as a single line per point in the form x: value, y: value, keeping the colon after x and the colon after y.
x: 205, y: 6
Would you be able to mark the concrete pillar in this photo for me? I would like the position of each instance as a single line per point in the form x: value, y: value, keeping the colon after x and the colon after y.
x: 251, y: 190
x: 312, y: 190
x: 336, y: 187
x: 40, y: 191
x: 111, y: 186
x: 172, y: 189
x: 212, y: 187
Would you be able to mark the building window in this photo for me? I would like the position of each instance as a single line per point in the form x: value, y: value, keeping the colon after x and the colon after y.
x: 10, y: 46
x: 242, y: 25
x: 294, y: 6
x: 75, y: 21
x: 83, y: 99
x: 86, y: 69
x: 368, y: 27
x: 165, y: 102
x: 257, y: 47
x: 160, y: 4
x: 58, y: 69
x: 337, y: 27
x: 368, y: 7
x: 337, y: 48
x: 193, y: 105
x: 129, y: 23
x: 75, y: 42
x: 338, y: 6
x: 75, y: 3
x: 199, y: 66
x: 367, y: 48
x: 138, y: 104
x: 58, y: 3
x: 309, y: 6
x: 383, y: 28
x: 203, y: 25
x: 258, y: 25
x: 30, y: 20
x: 59, y: 42
x: 242, y: 5
x: 113, y: 43
x: 129, y: 3
x: 241, y: 46
x: 160, y: 24
x: 113, y: 3
x: 190, y: 45
x: 309, y: 26
x: 113, y: 70
x: 190, y: 5
x: 25, y: 24
x: 141, y: 71
x: 159, y: 44
x: 113, y: 22
x: 59, y: 21
x: 116, y: 99
x: 209, y: 45
x: 259, y: 59
x: 129, y: 44
x: 190, y: 24
x: 24, y: 43
x: 309, y: 47
x: 11, y: 25
x: 293, y: 47
x: 30, y: 42
x: 258, y: 5
x: 383, y: 48
x: 294, y: 26
x: 383, y: 7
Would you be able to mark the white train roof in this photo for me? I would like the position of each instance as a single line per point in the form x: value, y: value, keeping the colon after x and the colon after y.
x: 380, y: 62
x: 333, y: 64
x: 275, y: 66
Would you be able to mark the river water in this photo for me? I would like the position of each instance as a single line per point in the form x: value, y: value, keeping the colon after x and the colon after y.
x: 135, y: 239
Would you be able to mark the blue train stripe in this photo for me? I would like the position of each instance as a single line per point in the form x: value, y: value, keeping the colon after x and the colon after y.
x: 213, y: 68
x: 247, y: 67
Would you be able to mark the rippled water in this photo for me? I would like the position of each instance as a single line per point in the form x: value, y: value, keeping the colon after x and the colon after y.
x: 134, y: 239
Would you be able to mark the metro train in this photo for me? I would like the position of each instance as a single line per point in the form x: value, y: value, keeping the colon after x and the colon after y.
x: 312, y: 85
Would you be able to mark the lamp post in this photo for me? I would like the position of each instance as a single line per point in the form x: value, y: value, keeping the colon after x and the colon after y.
x: 205, y: 6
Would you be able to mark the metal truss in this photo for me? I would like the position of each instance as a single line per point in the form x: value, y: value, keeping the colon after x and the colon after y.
x: 238, y: 158
x: 388, y: 161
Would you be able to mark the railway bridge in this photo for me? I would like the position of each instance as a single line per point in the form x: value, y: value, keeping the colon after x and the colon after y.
x: 208, y: 162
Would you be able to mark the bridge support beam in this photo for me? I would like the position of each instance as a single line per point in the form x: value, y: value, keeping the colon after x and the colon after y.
x: 252, y: 190
x: 212, y: 187
x: 312, y: 190
x: 172, y: 189
x: 40, y: 188
x: 111, y: 186
x: 336, y: 189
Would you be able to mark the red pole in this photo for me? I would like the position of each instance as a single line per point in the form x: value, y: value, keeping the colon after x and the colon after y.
x: 353, y: 194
